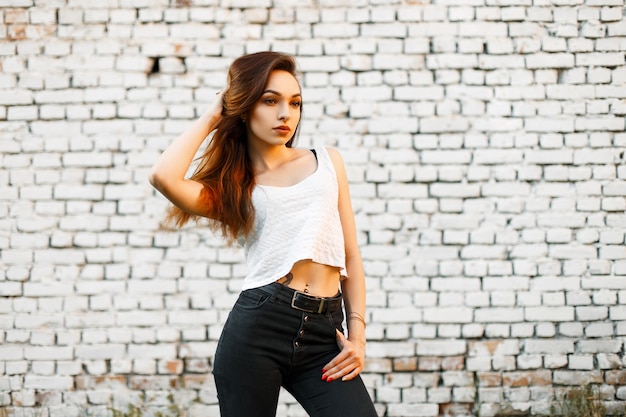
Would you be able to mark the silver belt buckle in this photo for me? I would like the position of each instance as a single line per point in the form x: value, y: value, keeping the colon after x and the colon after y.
x: 293, y: 301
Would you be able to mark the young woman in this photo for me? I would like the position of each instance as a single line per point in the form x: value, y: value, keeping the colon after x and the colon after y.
x: 290, y: 209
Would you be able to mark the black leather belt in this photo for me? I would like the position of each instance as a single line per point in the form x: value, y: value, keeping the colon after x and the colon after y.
x: 307, y: 303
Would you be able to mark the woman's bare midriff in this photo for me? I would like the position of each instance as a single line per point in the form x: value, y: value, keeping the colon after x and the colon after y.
x: 313, y: 278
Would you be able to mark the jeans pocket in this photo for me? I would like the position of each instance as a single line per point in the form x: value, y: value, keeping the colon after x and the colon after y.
x: 251, y: 299
x: 335, y: 319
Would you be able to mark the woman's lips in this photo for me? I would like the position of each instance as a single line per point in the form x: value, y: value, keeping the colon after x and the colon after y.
x: 282, y: 129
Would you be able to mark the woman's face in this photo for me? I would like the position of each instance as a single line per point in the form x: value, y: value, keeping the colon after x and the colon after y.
x: 275, y: 117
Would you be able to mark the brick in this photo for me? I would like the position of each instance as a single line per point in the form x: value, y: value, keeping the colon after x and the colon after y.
x: 539, y: 124
x: 444, y: 156
x: 506, y: 315
x: 12, y: 353
x: 161, y: 351
x: 439, y: 395
x: 527, y: 378
x: 616, y: 377
x: 450, y: 61
x: 390, y: 349
x: 100, y: 352
x: 599, y: 330
x: 495, y: 29
x: 187, y: 317
x: 335, y: 30
x: 409, y: 93
x: 489, y: 379
x: 599, y: 346
x: 54, y: 383
x: 573, y: 252
x: 405, y: 364
x: 95, y: 319
x: 609, y: 361
x: 454, y: 284
x: 48, y: 353
x: 551, y: 347
x: 600, y: 59
x: 441, y: 347
x: 52, y: 289
x: 448, y: 315
x: 457, y: 378
x: 580, y: 362
x: 366, y: 93
x: 384, y: 125
x: 482, y: 252
x: 505, y: 189
x: 16, y: 97
x: 398, y: 62
x: 549, y: 313
x: 550, y: 60
x: 402, y: 191
x: 410, y: 410
x: 144, y: 318
x: 454, y: 190
x: 577, y: 378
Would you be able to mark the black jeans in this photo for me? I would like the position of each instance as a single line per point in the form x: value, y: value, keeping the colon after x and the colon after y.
x: 266, y: 344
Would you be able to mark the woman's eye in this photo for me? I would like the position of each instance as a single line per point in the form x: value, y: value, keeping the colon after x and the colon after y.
x: 296, y: 104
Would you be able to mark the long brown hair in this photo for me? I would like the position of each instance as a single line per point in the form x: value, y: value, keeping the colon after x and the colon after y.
x: 225, y: 169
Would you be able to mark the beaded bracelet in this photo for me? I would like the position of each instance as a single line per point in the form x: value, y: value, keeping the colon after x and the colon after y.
x: 357, y: 316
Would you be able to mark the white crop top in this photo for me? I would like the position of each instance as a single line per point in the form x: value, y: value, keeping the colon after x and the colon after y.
x: 295, y: 223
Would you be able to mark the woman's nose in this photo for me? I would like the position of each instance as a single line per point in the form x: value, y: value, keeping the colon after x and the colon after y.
x: 283, y: 113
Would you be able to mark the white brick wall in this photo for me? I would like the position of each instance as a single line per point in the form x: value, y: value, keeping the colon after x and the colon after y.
x: 485, y: 146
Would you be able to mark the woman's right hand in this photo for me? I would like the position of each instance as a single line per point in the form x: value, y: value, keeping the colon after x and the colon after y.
x: 213, y: 113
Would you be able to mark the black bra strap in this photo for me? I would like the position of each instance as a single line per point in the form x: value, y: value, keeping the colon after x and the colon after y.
x: 314, y: 153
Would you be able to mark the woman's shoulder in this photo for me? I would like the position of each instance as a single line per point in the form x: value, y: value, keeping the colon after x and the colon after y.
x: 333, y: 154
x: 333, y: 159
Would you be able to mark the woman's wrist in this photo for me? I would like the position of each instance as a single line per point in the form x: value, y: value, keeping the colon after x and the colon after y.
x: 210, y: 119
x: 357, y: 317
x: 356, y: 333
x: 358, y: 339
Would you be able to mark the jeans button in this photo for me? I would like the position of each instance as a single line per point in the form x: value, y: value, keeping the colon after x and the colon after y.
x: 297, y: 344
x: 301, y: 332
x: 306, y: 318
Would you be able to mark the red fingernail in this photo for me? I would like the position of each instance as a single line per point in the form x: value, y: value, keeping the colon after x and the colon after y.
x: 329, y: 380
x: 324, y: 370
x: 324, y: 377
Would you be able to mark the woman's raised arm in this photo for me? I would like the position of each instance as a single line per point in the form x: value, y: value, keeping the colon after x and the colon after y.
x: 169, y: 170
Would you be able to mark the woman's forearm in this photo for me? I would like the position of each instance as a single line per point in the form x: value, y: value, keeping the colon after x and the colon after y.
x: 353, y: 288
x: 173, y: 164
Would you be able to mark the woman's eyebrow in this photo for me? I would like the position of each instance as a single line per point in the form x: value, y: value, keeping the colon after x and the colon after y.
x: 279, y: 94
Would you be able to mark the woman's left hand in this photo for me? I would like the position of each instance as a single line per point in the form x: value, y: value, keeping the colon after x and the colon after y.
x: 348, y: 363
